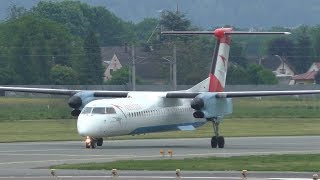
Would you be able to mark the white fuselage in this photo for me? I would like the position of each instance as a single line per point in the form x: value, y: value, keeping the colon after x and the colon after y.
x: 140, y: 113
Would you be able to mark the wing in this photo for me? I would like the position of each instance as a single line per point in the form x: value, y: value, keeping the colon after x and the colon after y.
x: 68, y: 92
x: 175, y: 94
x: 241, y: 93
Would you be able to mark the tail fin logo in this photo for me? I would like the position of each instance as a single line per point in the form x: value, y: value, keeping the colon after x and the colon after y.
x: 223, y: 60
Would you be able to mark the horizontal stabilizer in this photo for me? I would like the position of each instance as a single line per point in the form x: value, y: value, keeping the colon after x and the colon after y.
x: 186, y: 128
x: 187, y: 32
x: 264, y: 93
x: 225, y: 33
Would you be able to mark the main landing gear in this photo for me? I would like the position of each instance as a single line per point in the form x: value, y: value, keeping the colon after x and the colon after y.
x: 216, y: 140
x: 93, y: 142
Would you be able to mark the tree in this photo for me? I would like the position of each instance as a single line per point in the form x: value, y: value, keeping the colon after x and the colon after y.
x: 119, y: 77
x: 91, y: 69
x: 194, y: 57
x: 174, y: 21
x: 237, y: 75
x: 32, y: 45
x: 316, y: 41
x: 7, y: 76
x: 61, y: 75
x: 237, y: 54
x: 281, y: 46
x: 16, y: 12
x: 81, y: 18
x: 267, y: 77
x: 317, y: 78
x: 303, y: 50
x: 258, y: 75
x: 147, y: 29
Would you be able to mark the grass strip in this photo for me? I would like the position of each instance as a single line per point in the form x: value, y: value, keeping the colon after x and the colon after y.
x: 297, y: 163
x: 66, y: 129
x: 245, y: 127
x: 39, y: 130
x: 57, y: 108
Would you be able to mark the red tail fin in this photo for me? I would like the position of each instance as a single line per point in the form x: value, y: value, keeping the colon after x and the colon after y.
x: 220, y: 59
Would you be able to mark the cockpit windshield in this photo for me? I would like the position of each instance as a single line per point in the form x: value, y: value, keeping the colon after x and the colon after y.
x: 86, y: 110
x: 110, y: 110
x: 98, y: 110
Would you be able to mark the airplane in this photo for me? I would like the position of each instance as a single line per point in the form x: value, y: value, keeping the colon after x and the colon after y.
x: 140, y: 112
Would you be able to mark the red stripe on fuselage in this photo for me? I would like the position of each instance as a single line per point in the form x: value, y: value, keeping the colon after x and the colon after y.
x: 215, y: 85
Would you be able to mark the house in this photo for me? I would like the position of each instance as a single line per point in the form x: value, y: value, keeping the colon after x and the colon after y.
x: 280, y: 67
x: 114, y: 58
x: 150, y: 65
x: 314, y: 67
x: 112, y: 66
x: 309, y: 76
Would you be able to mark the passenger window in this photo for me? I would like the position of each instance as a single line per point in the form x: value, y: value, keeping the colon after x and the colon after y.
x: 86, y: 110
x: 111, y: 110
x: 98, y: 110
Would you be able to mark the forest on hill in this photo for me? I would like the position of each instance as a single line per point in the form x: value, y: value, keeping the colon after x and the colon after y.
x: 58, y: 42
x: 207, y: 13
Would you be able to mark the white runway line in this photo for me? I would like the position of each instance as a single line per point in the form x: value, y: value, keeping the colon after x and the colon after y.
x: 289, y: 178
x: 119, y: 177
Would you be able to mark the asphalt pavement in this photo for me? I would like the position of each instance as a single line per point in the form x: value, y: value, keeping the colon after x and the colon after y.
x: 31, y: 160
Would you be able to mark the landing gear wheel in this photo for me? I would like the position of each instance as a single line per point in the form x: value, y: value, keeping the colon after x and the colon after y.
x: 220, y: 140
x: 214, y: 142
x: 99, y: 141
x: 93, y: 145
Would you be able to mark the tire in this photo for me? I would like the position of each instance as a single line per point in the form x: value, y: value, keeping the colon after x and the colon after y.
x: 99, y: 141
x: 214, y: 142
x: 221, y: 142
x: 87, y: 146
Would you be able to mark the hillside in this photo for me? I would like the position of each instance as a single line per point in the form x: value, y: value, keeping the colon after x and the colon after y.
x: 209, y: 13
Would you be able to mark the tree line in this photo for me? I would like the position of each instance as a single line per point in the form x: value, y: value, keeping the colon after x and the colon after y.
x: 59, y: 43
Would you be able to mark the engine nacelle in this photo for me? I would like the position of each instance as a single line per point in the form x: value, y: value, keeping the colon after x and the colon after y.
x: 208, y: 106
x: 79, y: 100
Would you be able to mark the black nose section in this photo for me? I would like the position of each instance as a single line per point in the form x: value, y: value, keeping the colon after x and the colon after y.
x: 75, y: 102
x: 197, y: 103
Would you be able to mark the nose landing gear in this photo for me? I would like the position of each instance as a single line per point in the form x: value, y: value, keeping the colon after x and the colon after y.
x: 92, y: 142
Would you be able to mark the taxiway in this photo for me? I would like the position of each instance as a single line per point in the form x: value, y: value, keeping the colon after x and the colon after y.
x: 32, y: 159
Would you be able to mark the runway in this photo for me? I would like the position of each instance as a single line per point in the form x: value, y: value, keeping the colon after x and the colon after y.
x: 32, y: 159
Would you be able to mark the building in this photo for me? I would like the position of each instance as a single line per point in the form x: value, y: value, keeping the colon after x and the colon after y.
x: 114, y: 58
x: 309, y: 76
x: 150, y: 65
x: 280, y: 67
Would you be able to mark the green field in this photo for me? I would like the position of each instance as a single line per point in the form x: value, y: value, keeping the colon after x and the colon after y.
x: 57, y: 108
x: 65, y: 129
x: 44, y: 119
x: 33, y: 108
x: 297, y: 163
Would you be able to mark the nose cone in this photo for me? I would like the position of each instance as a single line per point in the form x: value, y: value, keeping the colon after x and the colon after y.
x: 89, y: 126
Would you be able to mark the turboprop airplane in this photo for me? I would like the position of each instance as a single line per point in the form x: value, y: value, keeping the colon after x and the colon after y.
x: 134, y: 112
